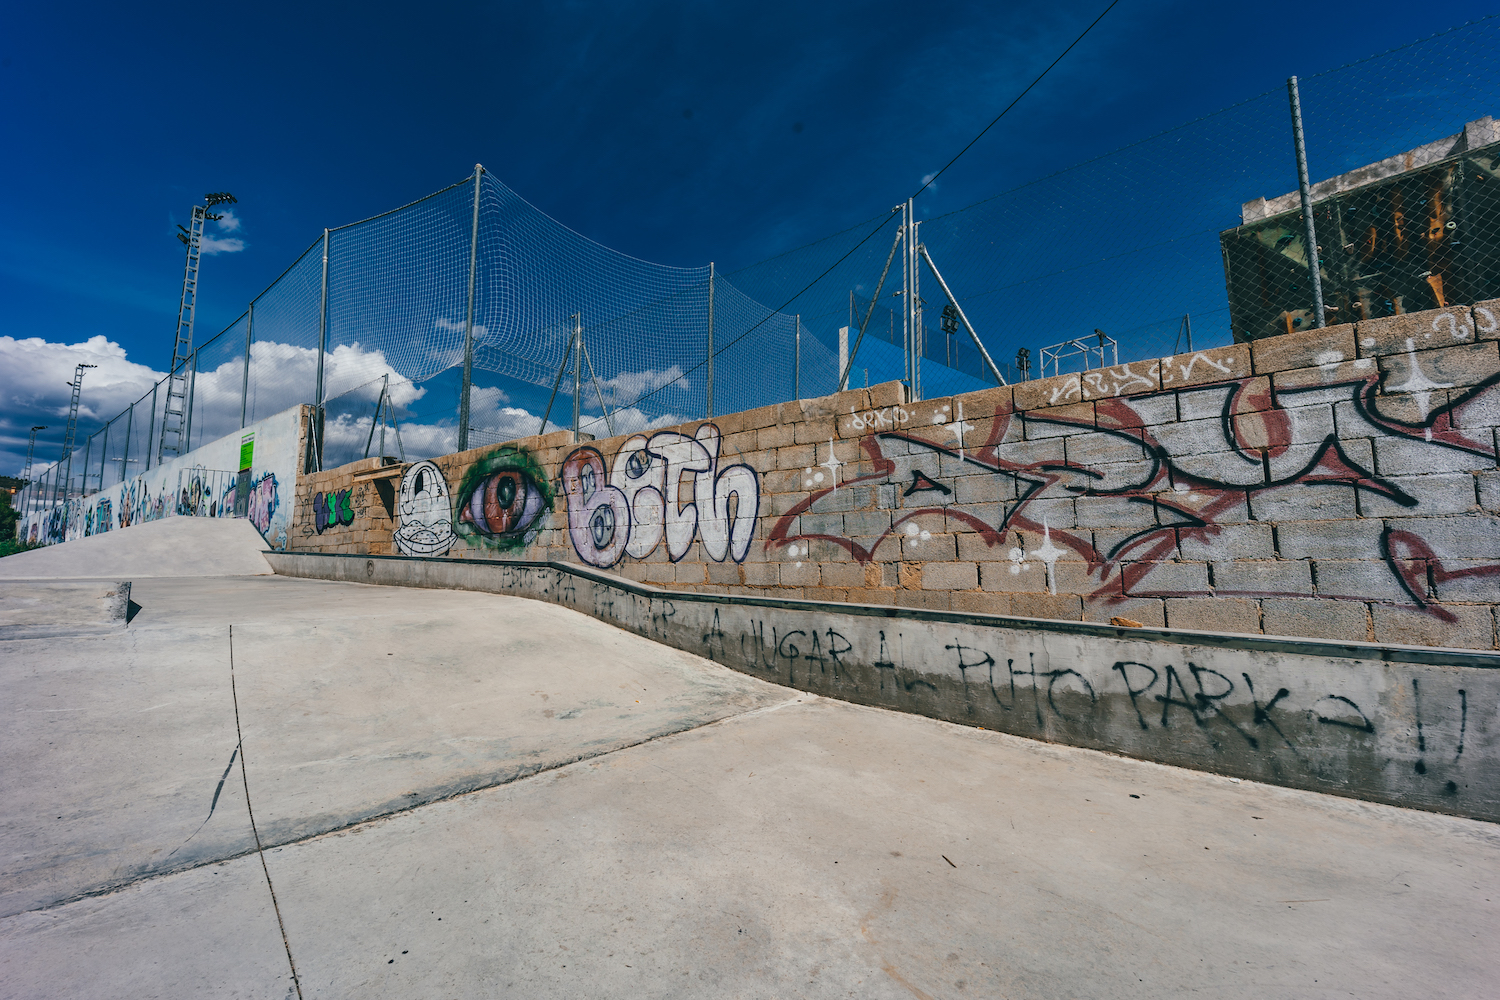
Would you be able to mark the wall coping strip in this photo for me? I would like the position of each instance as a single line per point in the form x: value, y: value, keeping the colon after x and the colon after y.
x: 1352, y: 649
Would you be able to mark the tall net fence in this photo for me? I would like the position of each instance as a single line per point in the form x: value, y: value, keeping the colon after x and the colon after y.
x: 1186, y: 239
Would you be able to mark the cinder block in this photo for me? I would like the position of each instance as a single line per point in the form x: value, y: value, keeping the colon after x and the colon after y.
x: 978, y: 547
x: 865, y: 522
x: 1423, y: 371
x: 804, y: 574
x: 1076, y: 577
x: 1428, y: 329
x: 1322, y: 383
x: 979, y: 602
x: 1101, y: 449
x: 1441, y: 493
x: 1060, y: 607
x: 1230, y: 541
x: 991, y: 488
x: 1489, y: 490
x: 1055, y: 513
x: 1214, y: 614
x: 691, y: 572
x: 1470, y: 627
x: 1147, y: 611
x: 1159, y: 545
x: 929, y: 600
x: 1121, y: 380
x: 1354, y: 538
x: 758, y: 574
x: 1216, y: 364
x: 796, y: 457
x: 1467, y: 580
x: 1360, y: 579
x: 1486, y: 319
x: 725, y: 573
x: 1032, y: 452
x: 1045, y: 392
x: 1138, y: 411
x: 1113, y: 512
x: 848, y: 574
x: 986, y: 402
x: 886, y: 393
x: 1316, y: 619
x: 1465, y: 536
x: 1303, y: 502
x: 950, y: 576
x: 768, y: 439
x: 1209, y: 401
x: 1282, y: 577
x: 1164, y: 578
x: 1406, y: 456
x: 819, y: 431
x: 1013, y: 577
x: 1304, y: 349
x: 1059, y: 421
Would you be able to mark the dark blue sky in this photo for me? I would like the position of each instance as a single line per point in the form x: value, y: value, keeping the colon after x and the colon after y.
x: 675, y: 132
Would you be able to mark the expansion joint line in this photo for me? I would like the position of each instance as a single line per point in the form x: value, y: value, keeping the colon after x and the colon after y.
x: 259, y: 850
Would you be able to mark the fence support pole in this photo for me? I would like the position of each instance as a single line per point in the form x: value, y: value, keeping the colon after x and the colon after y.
x: 463, y: 398
x: 104, y: 454
x: 192, y: 387
x: 797, y: 360
x: 1304, y: 187
x: 577, y: 372
x: 322, y: 346
x: 125, y: 454
x: 710, y: 380
x: 245, y: 382
x: 83, y: 477
x: 151, y: 429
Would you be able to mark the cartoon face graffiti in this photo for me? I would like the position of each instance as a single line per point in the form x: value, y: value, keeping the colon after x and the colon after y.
x: 423, y: 513
x: 501, y: 500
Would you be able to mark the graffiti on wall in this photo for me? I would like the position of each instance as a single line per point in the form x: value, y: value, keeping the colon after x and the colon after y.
x: 424, y: 513
x: 1155, y: 476
x: 332, y: 509
x: 501, y: 500
x: 667, y: 489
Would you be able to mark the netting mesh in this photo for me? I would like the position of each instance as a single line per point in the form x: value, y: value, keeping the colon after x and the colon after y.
x: 1188, y: 238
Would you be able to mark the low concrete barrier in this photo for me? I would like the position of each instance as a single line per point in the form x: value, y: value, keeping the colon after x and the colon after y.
x: 1406, y: 725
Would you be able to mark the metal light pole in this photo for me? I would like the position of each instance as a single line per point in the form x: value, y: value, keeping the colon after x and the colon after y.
x: 1303, y: 186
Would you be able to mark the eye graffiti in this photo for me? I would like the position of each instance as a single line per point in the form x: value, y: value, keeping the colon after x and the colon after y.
x: 424, y: 512
x: 501, y: 500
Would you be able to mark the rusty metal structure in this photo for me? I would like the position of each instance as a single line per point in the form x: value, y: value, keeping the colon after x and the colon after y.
x: 1419, y: 230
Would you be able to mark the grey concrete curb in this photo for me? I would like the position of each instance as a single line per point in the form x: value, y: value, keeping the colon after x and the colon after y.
x: 1389, y: 724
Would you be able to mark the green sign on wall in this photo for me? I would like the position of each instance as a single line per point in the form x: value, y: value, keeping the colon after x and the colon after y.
x: 247, y: 451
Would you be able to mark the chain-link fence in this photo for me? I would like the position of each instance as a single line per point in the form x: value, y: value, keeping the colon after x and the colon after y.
x: 1187, y: 239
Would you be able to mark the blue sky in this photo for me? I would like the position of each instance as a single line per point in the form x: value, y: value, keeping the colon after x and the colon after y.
x: 675, y: 132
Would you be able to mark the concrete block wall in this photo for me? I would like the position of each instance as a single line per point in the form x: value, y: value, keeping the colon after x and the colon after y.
x: 1338, y: 483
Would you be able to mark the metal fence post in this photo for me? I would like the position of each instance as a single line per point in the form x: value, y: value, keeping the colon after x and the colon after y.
x: 797, y: 360
x: 710, y: 380
x: 245, y: 383
x: 463, y: 399
x: 125, y: 453
x: 1309, y: 229
x: 577, y: 373
x: 151, y: 429
x: 322, y: 342
x: 104, y: 454
x: 88, y: 448
x: 192, y: 387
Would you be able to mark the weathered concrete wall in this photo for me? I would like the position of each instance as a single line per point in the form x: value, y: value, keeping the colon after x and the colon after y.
x: 1338, y: 483
x: 203, y: 483
x: 1405, y: 725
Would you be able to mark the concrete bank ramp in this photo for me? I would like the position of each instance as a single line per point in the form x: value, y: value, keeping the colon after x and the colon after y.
x: 43, y: 609
x: 173, y: 546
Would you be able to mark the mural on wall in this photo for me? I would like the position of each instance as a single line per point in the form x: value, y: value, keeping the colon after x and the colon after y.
x: 666, y: 489
x: 332, y: 509
x: 424, y: 512
x: 501, y: 500
x: 189, y: 486
x: 1183, y: 464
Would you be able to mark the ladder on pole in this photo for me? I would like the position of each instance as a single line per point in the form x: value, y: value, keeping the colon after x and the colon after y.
x: 175, y: 417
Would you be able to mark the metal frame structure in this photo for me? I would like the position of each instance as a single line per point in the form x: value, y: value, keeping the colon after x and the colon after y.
x: 1087, y: 348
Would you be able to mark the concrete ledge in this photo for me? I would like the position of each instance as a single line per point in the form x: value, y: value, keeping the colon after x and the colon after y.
x: 1409, y: 726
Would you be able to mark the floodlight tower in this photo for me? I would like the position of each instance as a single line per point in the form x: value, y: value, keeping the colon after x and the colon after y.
x: 174, y: 416
x: 64, y: 484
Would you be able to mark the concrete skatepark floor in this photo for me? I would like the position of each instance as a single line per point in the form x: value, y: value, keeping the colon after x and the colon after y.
x: 466, y: 795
